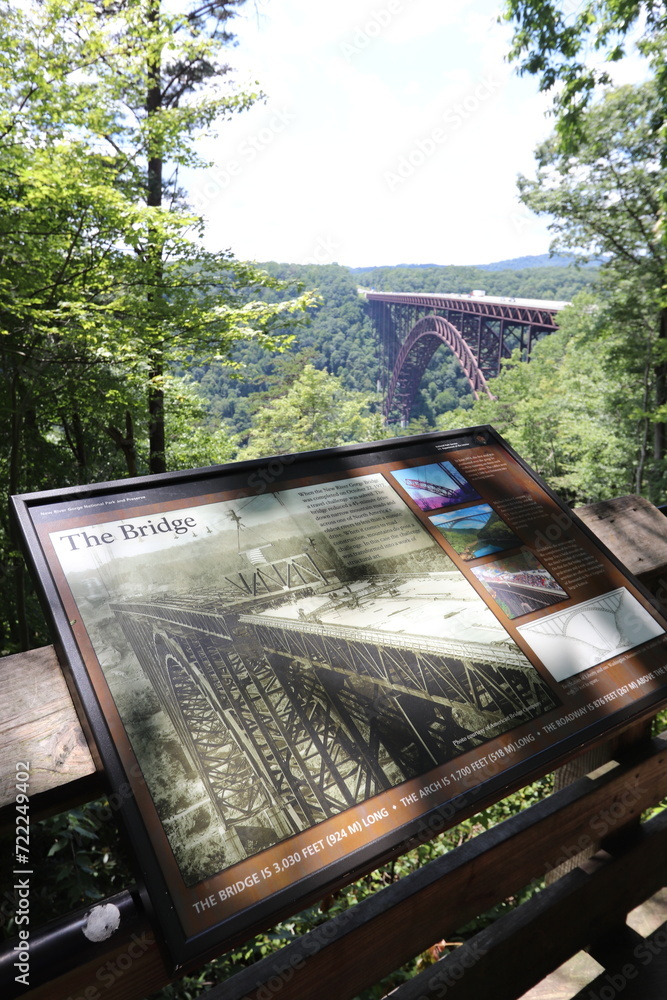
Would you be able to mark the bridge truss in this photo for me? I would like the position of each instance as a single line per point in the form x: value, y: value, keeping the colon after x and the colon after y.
x: 290, y: 721
x: 479, y: 330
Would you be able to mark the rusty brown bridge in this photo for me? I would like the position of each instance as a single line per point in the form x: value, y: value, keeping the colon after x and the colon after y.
x: 480, y: 330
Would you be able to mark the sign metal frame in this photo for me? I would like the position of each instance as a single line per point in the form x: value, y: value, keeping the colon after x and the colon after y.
x: 291, y: 668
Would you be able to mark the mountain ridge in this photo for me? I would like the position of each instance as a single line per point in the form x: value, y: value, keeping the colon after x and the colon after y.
x: 512, y: 264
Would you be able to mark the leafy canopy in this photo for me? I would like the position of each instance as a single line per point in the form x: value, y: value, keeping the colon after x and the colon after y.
x: 566, y: 45
x: 315, y: 412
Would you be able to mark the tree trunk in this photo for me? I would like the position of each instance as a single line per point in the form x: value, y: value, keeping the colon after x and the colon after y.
x: 156, y: 435
x: 19, y: 629
x: 75, y: 440
x: 660, y: 396
x: 126, y: 443
x: 644, y: 425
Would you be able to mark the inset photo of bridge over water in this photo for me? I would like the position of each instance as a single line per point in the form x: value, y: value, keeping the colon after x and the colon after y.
x: 475, y: 531
x: 276, y: 659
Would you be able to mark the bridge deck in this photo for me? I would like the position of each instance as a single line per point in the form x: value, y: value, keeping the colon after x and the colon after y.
x: 550, y: 305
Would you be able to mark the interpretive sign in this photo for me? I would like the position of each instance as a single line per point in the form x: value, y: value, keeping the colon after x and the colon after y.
x: 292, y: 667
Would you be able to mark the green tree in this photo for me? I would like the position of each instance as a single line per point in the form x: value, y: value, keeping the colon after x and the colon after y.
x: 315, y: 412
x: 124, y: 281
x: 162, y: 63
x: 562, y: 44
x: 604, y: 203
x: 577, y: 411
x: 555, y: 41
x: 86, y: 307
x: 194, y: 439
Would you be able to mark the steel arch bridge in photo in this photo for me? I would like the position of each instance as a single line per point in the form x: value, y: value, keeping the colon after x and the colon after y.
x: 290, y: 720
x: 480, y: 330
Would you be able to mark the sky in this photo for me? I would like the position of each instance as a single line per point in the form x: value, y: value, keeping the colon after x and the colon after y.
x: 393, y: 132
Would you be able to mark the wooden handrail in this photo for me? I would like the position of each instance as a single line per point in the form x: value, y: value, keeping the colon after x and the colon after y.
x: 38, y: 724
x: 407, y: 917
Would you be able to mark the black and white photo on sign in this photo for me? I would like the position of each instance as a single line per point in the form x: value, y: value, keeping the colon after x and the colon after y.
x: 276, y: 659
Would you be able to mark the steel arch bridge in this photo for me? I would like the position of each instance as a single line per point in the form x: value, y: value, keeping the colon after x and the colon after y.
x: 288, y: 721
x: 480, y: 331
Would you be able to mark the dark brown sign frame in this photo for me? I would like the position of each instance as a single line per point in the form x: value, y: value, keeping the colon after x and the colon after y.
x: 292, y: 667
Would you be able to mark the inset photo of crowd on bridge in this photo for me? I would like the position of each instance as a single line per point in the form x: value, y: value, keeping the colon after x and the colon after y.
x: 520, y: 584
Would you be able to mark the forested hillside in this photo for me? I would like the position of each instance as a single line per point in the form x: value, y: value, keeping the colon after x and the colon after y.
x: 531, y: 283
x: 340, y: 339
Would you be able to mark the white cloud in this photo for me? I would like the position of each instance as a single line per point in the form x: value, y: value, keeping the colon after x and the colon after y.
x: 393, y: 132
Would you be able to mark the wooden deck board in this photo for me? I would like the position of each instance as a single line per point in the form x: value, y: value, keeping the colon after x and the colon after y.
x: 39, y: 726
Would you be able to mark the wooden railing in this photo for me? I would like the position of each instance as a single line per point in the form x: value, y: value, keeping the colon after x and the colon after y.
x: 597, y: 816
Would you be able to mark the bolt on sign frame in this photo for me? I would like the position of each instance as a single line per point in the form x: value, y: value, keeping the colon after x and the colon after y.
x: 292, y: 668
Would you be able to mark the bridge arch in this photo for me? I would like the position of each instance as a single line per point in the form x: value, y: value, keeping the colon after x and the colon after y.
x: 423, y: 340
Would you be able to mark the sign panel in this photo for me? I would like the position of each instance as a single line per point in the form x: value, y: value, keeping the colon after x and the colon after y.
x: 292, y: 667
